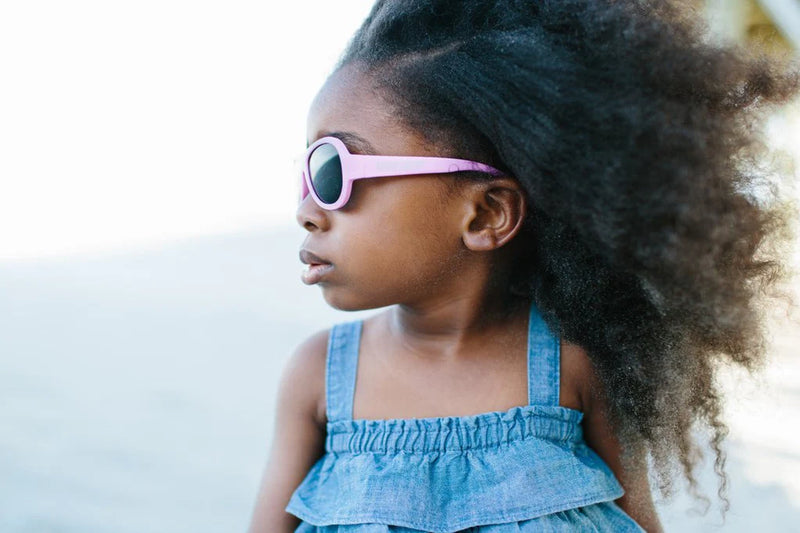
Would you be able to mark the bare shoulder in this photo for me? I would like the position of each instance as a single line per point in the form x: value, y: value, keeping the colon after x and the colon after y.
x: 304, y: 374
x: 578, y: 377
x: 601, y: 437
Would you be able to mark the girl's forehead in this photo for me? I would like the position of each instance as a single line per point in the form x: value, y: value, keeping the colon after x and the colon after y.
x: 349, y: 103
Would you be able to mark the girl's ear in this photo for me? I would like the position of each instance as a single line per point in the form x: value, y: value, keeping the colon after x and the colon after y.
x: 495, y: 213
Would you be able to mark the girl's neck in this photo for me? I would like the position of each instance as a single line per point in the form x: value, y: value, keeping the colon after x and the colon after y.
x: 455, y: 328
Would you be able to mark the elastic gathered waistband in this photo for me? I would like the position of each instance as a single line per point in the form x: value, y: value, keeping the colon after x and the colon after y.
x: 455, y: 434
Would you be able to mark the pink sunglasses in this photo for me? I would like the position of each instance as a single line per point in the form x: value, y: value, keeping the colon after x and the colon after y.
x: 329, y: 170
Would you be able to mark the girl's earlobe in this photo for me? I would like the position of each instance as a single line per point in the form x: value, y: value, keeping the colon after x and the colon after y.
x: 481, y: 241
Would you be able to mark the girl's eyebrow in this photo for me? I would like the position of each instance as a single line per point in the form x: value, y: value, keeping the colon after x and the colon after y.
x: 354, y: 143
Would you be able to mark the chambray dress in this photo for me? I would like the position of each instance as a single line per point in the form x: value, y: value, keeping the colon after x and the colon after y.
x: 526, y: 469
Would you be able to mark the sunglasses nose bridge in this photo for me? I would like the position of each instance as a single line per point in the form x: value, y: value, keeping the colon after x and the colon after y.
x: 303, y: 186
x: 299, y: 172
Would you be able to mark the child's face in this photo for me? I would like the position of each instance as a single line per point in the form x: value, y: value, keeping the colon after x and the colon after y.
x: 398, y: 239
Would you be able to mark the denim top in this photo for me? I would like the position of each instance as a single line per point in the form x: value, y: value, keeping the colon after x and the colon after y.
x: 448, y: 473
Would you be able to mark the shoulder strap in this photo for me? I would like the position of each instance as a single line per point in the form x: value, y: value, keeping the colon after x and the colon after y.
x: 544, y: 358
x: 340, y: 370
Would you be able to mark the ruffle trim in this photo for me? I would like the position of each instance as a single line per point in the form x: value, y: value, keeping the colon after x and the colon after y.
x: 468, y: 520
x: 442, y: 492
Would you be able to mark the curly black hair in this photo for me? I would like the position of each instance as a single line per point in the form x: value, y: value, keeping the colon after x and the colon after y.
x: 636, y: 140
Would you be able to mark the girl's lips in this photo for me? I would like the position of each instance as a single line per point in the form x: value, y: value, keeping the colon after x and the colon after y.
x: 317, y: 267
x: 315, y: 272
x: 310, y: 258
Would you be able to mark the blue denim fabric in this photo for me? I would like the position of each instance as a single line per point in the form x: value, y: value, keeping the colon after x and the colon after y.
x: 525, y: 469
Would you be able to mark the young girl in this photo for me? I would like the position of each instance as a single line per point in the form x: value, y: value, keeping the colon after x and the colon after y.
x: 554, y: 201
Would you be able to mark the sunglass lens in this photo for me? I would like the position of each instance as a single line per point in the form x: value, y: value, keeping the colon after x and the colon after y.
x: 326, y: 173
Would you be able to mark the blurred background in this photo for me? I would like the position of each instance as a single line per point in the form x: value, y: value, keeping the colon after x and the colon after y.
x: 149, y: 280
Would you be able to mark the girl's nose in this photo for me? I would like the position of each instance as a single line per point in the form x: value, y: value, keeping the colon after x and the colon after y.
x: 311, y: 216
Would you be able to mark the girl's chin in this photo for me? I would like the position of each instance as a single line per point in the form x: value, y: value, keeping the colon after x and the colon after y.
x: 337, y: 298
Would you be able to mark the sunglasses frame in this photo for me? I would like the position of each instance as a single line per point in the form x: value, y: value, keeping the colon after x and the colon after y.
x: 357, y: 166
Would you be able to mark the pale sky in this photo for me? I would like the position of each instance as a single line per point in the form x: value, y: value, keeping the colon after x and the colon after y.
x: 124, y: 124
x: 127, y: 124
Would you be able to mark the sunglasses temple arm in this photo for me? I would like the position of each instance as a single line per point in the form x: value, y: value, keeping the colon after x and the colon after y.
x: 377, y: 166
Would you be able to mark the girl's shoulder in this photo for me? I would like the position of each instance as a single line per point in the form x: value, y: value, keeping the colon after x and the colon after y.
x: 578, y: 377
x: 305, y: 373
